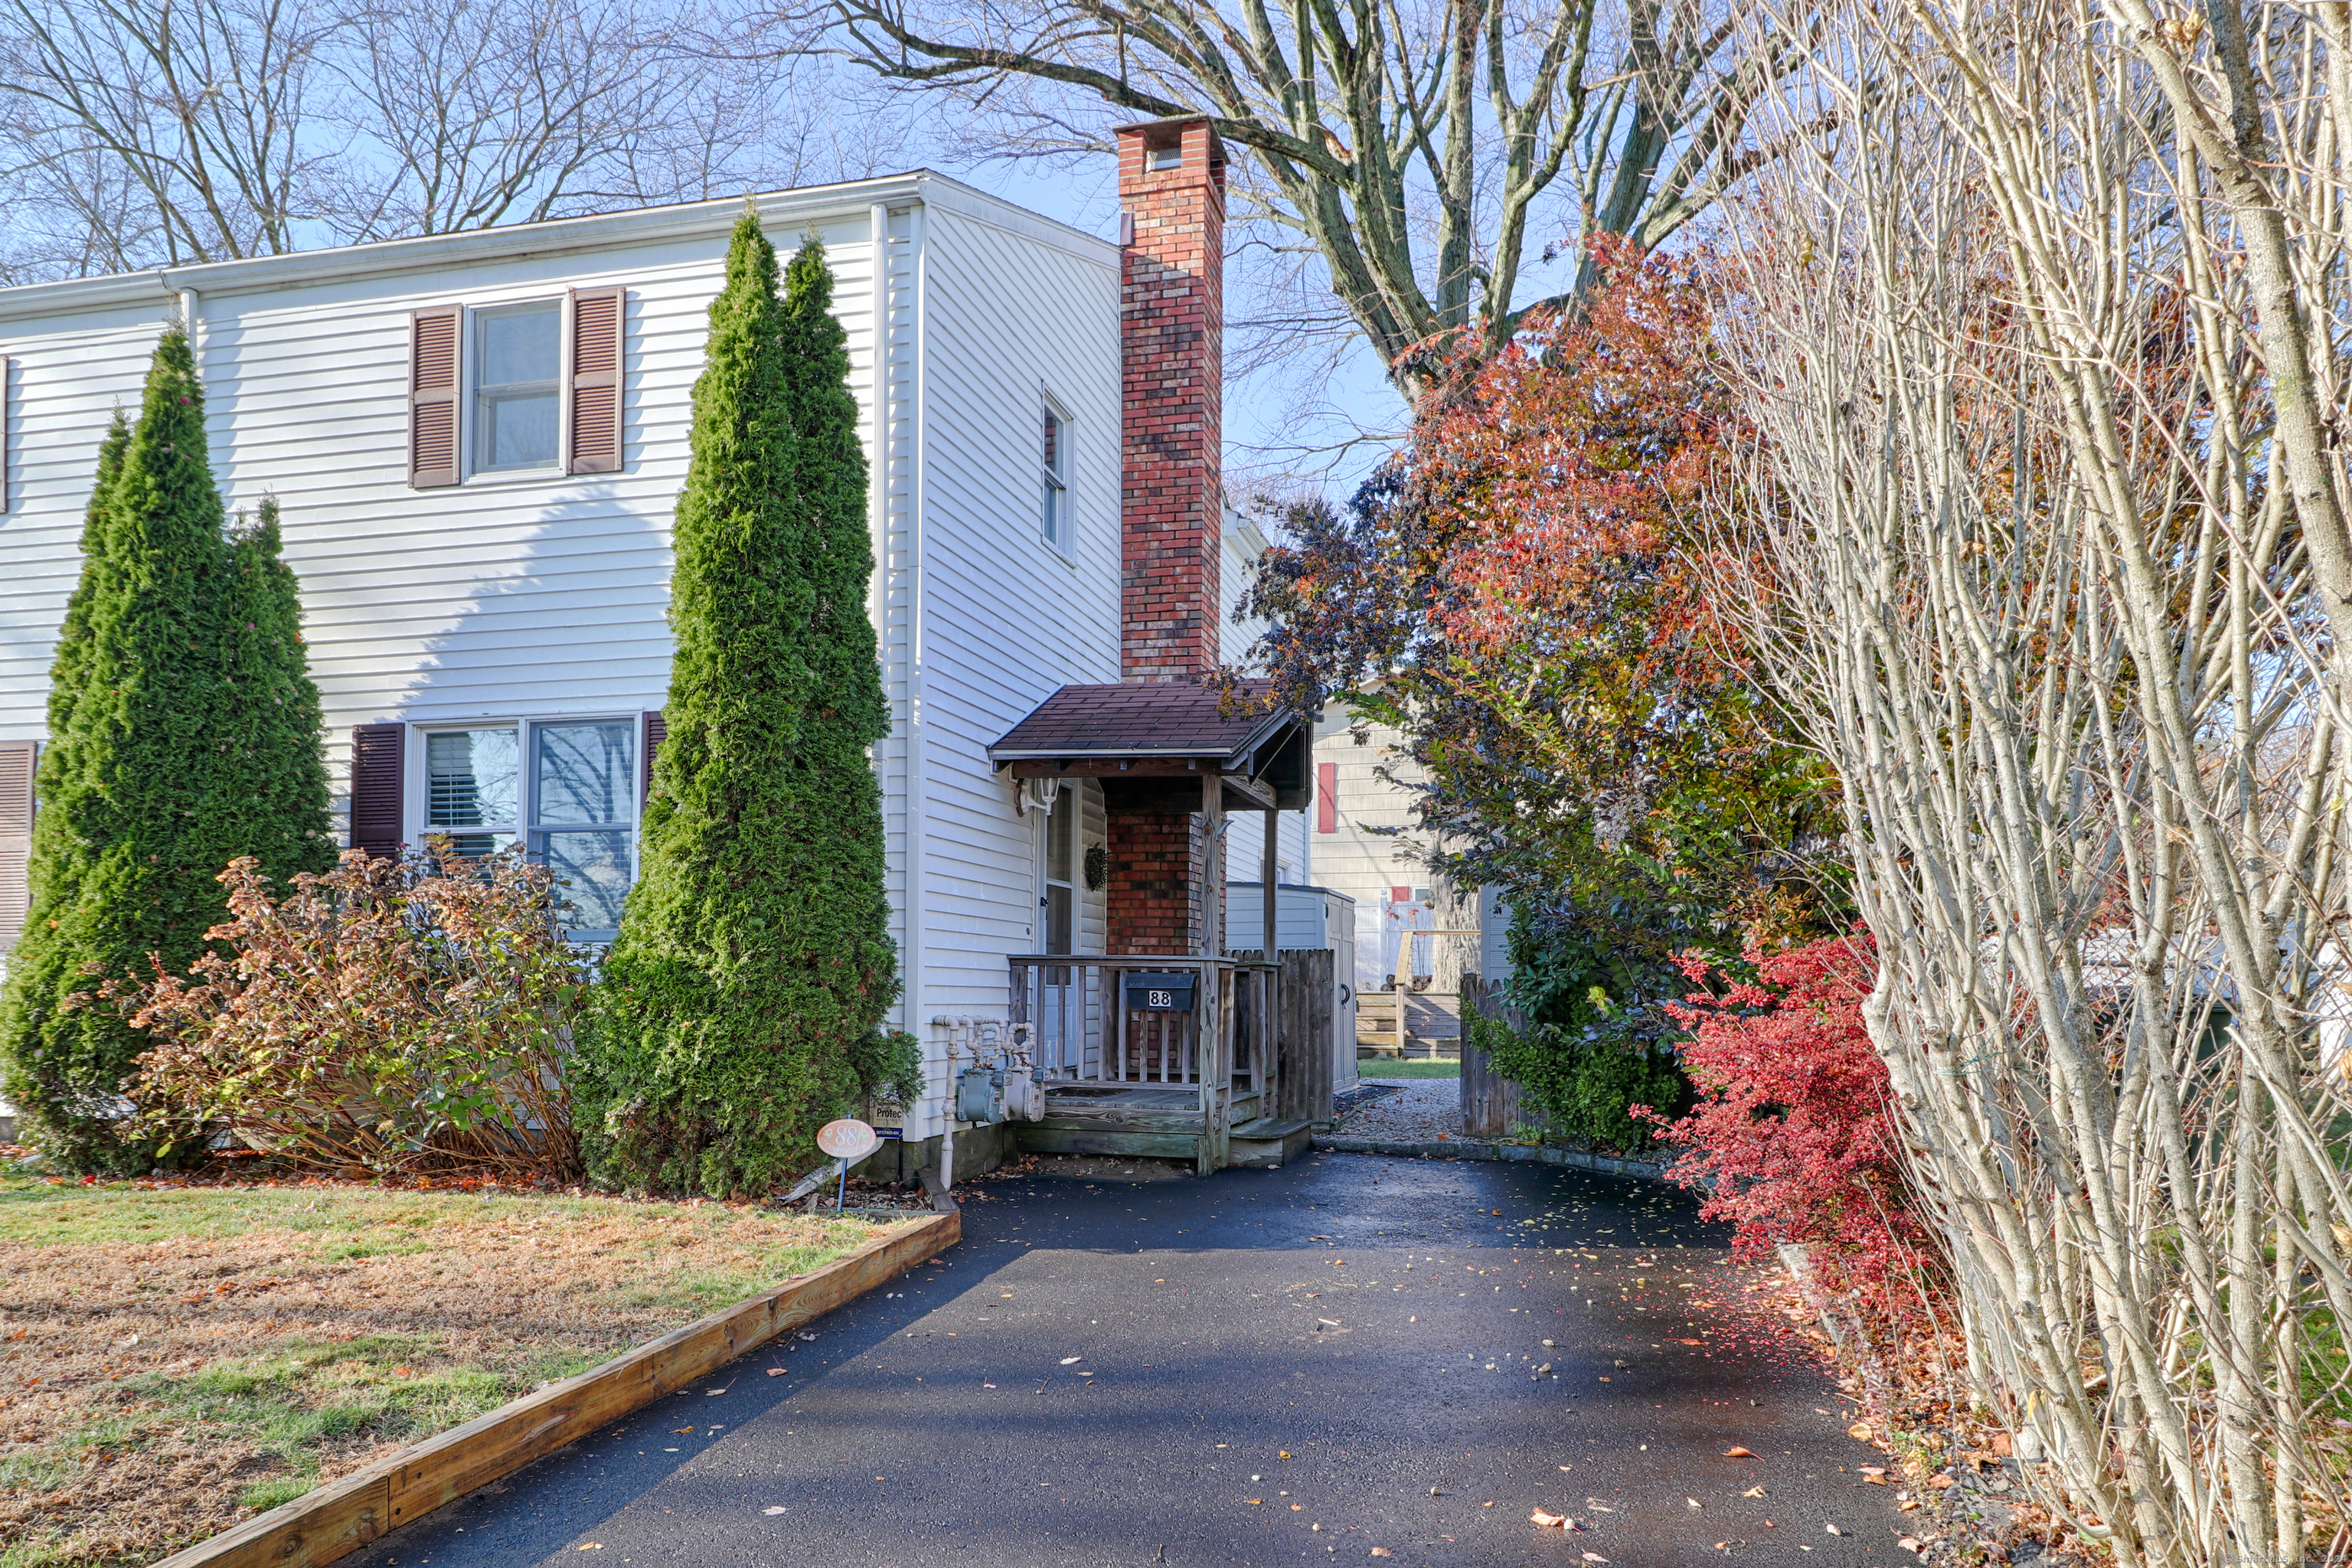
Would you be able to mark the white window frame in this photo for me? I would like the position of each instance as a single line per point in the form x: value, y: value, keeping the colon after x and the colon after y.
x: 417, y: 788
x: 1055, y: 518
x: 469, y: 392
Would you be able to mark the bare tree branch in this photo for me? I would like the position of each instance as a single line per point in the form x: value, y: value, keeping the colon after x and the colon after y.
x: 1414, y: 148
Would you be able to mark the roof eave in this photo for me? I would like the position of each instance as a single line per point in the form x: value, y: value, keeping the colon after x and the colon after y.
x: 1231, y: 755
x: 778, y: 209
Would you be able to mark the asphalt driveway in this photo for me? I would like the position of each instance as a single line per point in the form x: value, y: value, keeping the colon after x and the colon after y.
x: 1259, y: 1368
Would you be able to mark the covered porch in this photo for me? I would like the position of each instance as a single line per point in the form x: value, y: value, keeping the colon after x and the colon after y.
x: 1170, y: 1043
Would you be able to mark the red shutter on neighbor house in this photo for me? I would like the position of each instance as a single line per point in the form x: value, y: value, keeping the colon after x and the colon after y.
x: 433, y: 397
x: 1327, y: 797
x: 653, y: 728
x: 376, y: 769
x: 594, y: 446
x: 16, y: 836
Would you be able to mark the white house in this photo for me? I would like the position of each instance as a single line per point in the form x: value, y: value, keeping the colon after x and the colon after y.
x: 476, y: 440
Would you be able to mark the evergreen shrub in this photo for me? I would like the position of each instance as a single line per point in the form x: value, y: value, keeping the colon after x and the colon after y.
x: 741, y: 1002
x: 160, y: 769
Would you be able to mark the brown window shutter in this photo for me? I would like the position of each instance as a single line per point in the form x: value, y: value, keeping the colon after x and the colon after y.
x: 16, y: 836
x: 433, y: 397
x: 376, y: 773
x: 597, y: 318
x: 655, y: 728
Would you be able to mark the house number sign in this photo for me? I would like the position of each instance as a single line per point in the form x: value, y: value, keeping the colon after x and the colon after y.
x: 1149, y: 993
x: 847, y: 1139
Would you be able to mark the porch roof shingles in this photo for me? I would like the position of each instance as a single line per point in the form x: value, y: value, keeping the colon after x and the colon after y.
x: 1164, y: 719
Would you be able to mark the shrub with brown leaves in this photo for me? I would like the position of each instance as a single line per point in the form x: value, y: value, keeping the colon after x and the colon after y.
x: 390, y: 1016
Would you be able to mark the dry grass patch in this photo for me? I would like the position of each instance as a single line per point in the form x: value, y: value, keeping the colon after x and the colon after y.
x: 174, y: 1359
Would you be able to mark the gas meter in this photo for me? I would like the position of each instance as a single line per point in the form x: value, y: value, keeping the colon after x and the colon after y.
x: 1001, y: 1086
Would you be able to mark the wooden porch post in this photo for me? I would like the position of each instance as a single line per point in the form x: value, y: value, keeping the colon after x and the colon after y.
x: 1213, y: 1021
x: 1273, y: 868
x: 1209, y: 941
x: 1269, y: 987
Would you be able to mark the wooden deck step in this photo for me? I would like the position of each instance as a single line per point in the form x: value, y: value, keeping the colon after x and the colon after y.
x: 1270, y: 1127
x: 1270, y: 1140
x: 1046, y: 1138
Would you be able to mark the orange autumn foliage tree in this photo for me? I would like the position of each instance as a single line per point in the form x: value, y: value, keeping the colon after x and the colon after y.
x: 1523, y: 592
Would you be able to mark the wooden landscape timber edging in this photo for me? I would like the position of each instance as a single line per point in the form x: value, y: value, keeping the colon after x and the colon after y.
x: 343, y: 1516
x: 1535, y: 1153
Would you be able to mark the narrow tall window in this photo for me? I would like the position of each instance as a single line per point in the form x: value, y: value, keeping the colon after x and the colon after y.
x: 1057, y: 517
x: 1061, y: 900
x: 518, y: 354
x: 1060, y: 1026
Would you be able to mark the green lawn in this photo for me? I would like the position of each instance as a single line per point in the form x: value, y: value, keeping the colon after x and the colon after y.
x: 173, y: 1359
x: 1377, y: 1069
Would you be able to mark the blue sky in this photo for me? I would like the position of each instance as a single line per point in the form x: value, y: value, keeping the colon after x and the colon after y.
x: 1275, y: 420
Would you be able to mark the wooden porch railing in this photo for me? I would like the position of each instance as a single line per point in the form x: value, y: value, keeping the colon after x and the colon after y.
x: 1084, y: 1031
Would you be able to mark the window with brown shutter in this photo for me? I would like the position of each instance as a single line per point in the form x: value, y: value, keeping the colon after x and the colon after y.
x: 597, y: 320
x: 657, y: 728
x: 433, y: 397
x: 376, y: 775
x: 16, y: 836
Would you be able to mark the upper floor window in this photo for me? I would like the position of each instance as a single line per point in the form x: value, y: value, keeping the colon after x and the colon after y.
x: 534, y: 386
x: 1056, y: 514
x: 518, y: 358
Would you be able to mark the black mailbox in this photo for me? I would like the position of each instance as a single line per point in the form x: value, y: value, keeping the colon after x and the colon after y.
x: 1160, y: 993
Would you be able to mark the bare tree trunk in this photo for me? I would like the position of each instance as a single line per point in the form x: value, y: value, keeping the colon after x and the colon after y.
x: 2044, y: 587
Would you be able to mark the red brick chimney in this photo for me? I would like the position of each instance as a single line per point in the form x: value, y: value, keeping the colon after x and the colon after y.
x: 1171, y: 197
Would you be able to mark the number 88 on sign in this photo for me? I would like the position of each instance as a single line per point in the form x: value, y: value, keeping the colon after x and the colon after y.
x: 1161, y: 993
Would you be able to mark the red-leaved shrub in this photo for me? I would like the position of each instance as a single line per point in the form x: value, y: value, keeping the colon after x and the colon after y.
x: 1794, y: 1138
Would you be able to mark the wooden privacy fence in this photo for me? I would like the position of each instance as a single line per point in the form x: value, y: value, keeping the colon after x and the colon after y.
x: 1305, y: 1021
x: 1490, y: 1102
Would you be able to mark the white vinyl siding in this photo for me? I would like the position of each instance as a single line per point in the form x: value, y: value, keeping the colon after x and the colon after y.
x: 533, y: 594
x: 1007, y: 618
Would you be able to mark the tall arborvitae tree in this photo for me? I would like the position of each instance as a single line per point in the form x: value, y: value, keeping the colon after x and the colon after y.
x: 66, y: 682
x: 138, y: 813
x: 271, y: 769
x: 740, y: 1002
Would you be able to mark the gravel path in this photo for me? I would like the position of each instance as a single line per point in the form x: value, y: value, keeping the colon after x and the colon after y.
x: 1429, y: 1109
